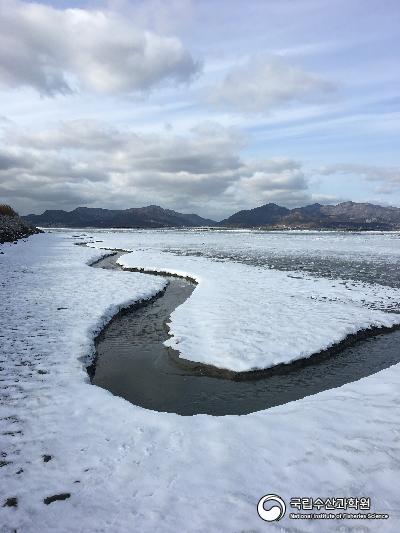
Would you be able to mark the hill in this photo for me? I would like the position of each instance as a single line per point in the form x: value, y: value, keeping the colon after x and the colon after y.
x: 12, y: 227
x: 346, y: 216
x: 151, y: 216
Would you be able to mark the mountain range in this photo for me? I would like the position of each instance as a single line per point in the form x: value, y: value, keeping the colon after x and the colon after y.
x: 346, y: 216
x: 343, y: 216
x: 152, y: 216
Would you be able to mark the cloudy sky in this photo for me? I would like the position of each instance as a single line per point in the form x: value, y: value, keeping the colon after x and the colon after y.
x: 205, y: 106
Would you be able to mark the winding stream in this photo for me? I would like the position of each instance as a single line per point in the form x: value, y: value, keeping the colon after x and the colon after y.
x: 132, y: 362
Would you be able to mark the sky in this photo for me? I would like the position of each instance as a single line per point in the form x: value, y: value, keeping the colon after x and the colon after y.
x: 204, y: 106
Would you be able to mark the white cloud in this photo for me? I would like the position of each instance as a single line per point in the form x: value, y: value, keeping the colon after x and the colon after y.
x: 55, y: 50
x: 278, y: 180
x: 263, y: 83
x: 88, y: 162
x: 387, y: 178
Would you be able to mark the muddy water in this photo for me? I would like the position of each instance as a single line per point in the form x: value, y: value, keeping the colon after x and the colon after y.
x: 133, y: 363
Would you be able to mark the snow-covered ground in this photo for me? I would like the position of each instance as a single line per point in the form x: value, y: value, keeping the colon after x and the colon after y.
x: 130, y: 469
x: 242, y: 317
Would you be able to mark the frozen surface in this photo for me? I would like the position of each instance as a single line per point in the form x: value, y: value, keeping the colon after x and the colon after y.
x: 129, y: 469
x: 242, y: 317
x: 370, y: 246
x: 367, y: 257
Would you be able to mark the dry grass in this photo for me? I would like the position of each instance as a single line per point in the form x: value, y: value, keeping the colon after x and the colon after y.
x: 7, y: 211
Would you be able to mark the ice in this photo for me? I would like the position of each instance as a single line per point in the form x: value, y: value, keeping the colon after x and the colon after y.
x: 130, y: 469
x: 242, y: 317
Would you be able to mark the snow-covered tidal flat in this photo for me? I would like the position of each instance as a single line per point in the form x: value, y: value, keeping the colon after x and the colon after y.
x: 261, y: 300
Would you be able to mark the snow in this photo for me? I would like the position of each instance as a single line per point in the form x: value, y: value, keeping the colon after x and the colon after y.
x: 373, y: 246
x: 130, y: 469
x: 242, y: 317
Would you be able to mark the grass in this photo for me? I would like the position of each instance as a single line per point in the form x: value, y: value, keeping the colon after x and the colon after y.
x: 8, y: 211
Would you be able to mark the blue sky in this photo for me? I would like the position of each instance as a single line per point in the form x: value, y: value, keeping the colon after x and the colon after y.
x: 203, y: 106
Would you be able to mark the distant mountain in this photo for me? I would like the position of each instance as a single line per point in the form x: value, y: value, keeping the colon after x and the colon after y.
x: 266, y: 215
x: 346, y: 215
x: 152, y: 216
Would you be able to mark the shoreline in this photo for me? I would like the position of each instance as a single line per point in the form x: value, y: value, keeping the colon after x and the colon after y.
x: 13, y: 228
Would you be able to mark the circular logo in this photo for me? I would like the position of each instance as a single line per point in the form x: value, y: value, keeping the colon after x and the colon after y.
x: 276, y: 512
